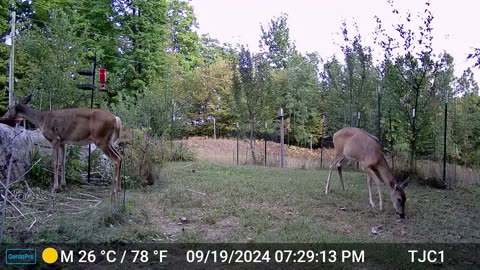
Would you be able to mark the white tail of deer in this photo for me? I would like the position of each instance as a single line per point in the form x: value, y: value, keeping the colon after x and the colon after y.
x: 356, y: 144
x: 78, y: 126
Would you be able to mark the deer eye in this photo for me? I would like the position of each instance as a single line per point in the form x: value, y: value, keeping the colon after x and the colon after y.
x: 399, y: 200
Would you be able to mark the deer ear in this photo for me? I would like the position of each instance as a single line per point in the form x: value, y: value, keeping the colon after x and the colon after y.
x: 405, y: 183
x: 393, y: 184
x: 27, y: 99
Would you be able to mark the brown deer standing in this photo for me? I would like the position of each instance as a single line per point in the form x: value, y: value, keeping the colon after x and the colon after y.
x: 79, y: 126
x: 356, y: 144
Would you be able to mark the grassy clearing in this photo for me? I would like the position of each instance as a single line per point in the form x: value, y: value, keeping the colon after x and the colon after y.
x: 224, y: 203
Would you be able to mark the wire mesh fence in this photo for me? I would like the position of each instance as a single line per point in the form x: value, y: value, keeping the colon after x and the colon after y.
x: 264, y: 150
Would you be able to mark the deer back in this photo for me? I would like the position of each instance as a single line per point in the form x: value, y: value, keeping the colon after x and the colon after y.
x: 359, y: 145
x: 79, y: 126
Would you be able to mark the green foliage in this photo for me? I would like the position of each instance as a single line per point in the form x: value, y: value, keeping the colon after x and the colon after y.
x: 301, y: 98
x: 209, y: 89
x: 4, y: 53
x: 276, y: 41
x: 162, y: 77
x: 152, y: 110
x: 48, y: 57
x: 74, y: 165
x: 142, y: 43
x: 251, y: 89
x: 183, y: 40
x: 179, y: 152
x: 41, y: 174
x: 411, y: 68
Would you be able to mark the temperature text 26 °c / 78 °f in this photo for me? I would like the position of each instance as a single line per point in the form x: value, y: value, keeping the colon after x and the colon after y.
x: 113, y: 256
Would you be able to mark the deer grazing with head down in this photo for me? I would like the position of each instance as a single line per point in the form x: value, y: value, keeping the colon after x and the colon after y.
x: 356, y: 144
x: 79, y: 126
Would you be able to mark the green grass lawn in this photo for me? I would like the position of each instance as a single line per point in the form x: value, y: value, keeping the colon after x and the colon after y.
x: 248, y: 203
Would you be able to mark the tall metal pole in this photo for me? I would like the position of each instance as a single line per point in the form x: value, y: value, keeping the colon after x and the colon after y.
x: 238, y: 134
x: 445, y: 139
x: 379, y: 114
x: 91, y: 106
x: 358, y: 119
x: 321, y: 141
x: 281, y: 137
x: 11, y: 97
x: 358, y: 125
x: 171, y: 124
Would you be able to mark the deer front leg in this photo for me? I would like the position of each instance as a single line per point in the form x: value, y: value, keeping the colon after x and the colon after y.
x: 369, y: 184
x: 380, y: 199
x: 374, y: 176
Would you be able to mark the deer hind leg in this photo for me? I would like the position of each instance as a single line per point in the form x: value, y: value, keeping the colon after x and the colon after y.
x: 332, y: 164
x: 61, y: 160
x: 55, y: 156
x: 343, y: 160
x: 115, y: 157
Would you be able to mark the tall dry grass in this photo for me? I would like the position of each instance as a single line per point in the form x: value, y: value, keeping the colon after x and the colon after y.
x: 224, y: 151
x: 455, y: 175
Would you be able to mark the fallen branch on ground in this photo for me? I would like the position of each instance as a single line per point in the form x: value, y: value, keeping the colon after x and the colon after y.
x: 31, y: 226
x: 198, y: 192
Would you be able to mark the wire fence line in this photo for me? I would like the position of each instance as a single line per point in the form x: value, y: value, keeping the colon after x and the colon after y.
x: 224, y: 150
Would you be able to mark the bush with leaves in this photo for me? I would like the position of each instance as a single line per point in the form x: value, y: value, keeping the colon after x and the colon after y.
x: 143, y: 159
x: 179, y: 152
x: 41, y: 174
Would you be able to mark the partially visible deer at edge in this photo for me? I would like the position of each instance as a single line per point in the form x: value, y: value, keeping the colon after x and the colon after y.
x: 356, y: 144
x: 79, y: 126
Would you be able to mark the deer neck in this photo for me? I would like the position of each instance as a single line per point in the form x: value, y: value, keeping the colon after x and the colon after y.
x: 34, y: 116
x: 386, y: 173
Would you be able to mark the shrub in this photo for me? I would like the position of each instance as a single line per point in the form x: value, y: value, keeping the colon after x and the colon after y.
x: 143, y: 159
x: 74, y: 165
x: 179, y: 152
x: 42, y: 173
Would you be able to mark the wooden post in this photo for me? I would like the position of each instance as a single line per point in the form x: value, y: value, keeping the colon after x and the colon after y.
x: 311, y: 141
x: 214, y: 130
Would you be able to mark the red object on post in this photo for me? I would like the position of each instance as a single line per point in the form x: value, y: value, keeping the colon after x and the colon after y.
x: 103, y: 78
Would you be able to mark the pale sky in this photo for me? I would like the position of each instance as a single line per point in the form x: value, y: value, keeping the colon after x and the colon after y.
x: 315, y: 24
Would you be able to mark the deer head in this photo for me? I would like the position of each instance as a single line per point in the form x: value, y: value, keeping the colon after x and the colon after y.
x: 14, y: 110
x: 397, y: 195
